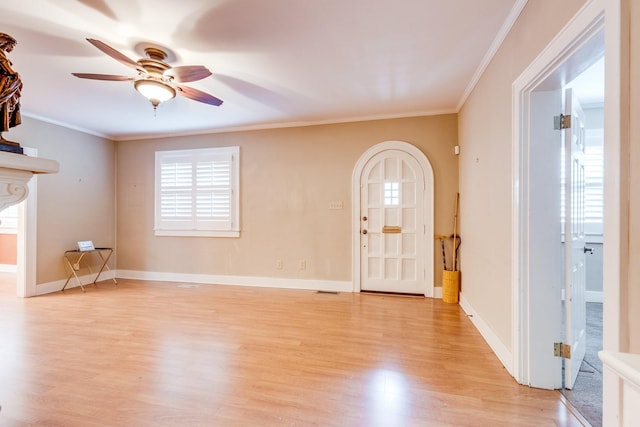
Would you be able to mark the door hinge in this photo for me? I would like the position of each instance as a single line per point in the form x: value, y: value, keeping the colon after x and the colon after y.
x: 562, y: 350
x: 561, y: 122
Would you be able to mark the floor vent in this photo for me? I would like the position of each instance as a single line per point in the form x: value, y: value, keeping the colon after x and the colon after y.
x: 328, y: 292
x: 186, y: 286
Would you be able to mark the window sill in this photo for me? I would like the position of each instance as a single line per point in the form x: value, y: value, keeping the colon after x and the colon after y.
x: 198, y: 233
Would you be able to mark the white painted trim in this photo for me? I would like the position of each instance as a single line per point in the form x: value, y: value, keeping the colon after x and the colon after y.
x: 429, y: 210
x: 86, y: 280
x: 586, y: 23
x: 27, y: 234
x: 617, y: 196
x: 625, y: 365
x: 437, y: 292
x: 197, y: 233
x: 498, y: 347
x: 262, y: 282
x: 493, y: 49
x: 8, y: 268
x: 594, y: 296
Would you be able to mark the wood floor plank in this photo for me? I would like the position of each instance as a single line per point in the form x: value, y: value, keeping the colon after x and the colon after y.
x: 156, y: 354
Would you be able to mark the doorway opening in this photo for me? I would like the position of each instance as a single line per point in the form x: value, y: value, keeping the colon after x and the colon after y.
x: 586, y: 393
x: 539, y: 256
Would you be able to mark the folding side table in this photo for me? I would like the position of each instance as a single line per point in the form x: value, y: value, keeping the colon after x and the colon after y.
x: 74, y: 257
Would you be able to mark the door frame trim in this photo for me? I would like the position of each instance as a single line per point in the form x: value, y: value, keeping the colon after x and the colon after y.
x: 428, y: 209
x: 588, y: 22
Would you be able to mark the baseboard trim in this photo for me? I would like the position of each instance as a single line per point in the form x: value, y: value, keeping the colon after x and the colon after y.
x: 263, y: 282
x: 209, y: 279
x: 87, y: 279
x: 8, y: 268
x: 500, y: 350
x: 437, y: 292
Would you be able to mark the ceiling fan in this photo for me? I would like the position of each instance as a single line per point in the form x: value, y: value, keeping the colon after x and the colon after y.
x: 156, y: 80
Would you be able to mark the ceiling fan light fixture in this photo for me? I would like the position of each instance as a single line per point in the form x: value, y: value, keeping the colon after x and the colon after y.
x: 157, y: 81
x: 155, y: 91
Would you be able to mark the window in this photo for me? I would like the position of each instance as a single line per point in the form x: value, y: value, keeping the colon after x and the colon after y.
x: 197, y: 192
x: 391, y: 193
x: 594, y: 182
x: 9, y: 220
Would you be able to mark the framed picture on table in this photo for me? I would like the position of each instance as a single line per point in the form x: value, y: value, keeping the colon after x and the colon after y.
x: 85, y: 245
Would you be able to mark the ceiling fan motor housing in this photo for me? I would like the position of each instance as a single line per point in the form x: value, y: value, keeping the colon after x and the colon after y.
x: 154, y: 65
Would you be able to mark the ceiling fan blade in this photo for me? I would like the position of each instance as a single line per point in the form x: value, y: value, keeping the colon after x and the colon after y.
x: 198, y: 95
x: 115, y: 54
x: 188, y: 73
x: 102, y: 77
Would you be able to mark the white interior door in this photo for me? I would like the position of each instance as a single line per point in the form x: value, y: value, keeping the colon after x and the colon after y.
x: 545, y: 261
x: 392, y: 224
x: 575, y: 278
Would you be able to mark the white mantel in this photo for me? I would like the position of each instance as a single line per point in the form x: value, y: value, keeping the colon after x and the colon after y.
x: 15, y: 172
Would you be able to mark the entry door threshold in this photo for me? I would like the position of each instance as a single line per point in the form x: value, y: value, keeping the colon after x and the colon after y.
x: 392, y: 294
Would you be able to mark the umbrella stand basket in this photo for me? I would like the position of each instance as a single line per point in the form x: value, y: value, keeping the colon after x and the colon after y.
x: 450, y: 286
x: 451, y: 278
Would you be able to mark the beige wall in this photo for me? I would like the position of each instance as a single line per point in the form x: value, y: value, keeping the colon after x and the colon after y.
x: 77, y: 203
x: 288, y: 177
x: 485, y: 164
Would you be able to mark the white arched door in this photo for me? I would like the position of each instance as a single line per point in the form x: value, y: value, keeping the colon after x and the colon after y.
x: 393, y: 220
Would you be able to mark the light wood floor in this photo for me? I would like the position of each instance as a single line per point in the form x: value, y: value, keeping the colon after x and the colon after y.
x: 156, y: 354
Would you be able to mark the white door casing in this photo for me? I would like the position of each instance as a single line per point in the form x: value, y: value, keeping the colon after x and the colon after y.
x: 574, y: 48
x: 393, y: 220
x: 575, y: 242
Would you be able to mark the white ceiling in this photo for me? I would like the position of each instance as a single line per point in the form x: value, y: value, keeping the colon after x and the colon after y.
x: 275, y: 62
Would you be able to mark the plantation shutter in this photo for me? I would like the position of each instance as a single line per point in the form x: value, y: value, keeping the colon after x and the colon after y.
x: 195, y: 189
x: 594, y: 183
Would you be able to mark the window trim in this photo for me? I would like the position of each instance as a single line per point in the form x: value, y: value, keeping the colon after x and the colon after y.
x: 234, y: 230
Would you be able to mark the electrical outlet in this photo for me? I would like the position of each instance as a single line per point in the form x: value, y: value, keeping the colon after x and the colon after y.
x: 335, y: 205
x: 303, y: 264
x: 278, y: 264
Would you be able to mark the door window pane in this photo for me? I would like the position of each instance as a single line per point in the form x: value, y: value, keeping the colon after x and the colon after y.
x: 391, y: 193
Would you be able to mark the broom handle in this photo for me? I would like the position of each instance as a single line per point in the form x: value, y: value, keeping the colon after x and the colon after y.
x: 455, y: 231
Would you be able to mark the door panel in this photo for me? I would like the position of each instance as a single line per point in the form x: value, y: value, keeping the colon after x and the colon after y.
x: 545, y: 260
x: 392, y: 224
x: 574, y: 231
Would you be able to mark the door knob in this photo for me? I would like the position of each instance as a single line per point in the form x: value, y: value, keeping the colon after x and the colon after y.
x: 364, y: 231
x: 589, y: 250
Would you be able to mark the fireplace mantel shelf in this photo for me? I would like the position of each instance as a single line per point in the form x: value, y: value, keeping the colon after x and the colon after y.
x: 15, y: 172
